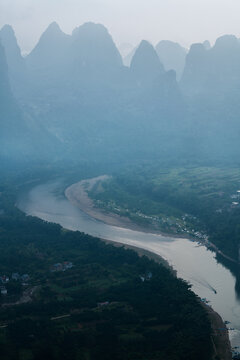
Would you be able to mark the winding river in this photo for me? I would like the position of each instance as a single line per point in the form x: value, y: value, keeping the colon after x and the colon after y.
x: 193, y: 263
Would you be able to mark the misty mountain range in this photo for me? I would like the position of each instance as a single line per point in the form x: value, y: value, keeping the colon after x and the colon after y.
x: 73, y: 98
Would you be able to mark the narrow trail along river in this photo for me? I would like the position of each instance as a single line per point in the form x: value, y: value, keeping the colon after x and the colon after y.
x: 193, y: 263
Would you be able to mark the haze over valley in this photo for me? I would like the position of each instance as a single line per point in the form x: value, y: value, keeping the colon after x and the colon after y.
x: 134, y: 144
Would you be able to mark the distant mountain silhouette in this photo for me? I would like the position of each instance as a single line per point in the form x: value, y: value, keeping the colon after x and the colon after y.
x: 145, y: 65
x: 196, y: 70
x: 94, y: 48
x: 96, y: 64
x: 15, y: 61
x: 172, y: 56
x: 21, y: 137
x: 68, y: 64
x: 13, y: 131
x: 211, y: 84
x: 78, y: 100
x: 225, y: 59
x: 48, y: 63
x: 51, y: 50
x: 214, y: 70
x: 207, y: 45
x: 89, y: 49
x: 5, y: 92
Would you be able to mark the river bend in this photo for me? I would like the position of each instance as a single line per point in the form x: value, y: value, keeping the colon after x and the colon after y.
x: 193, y: 263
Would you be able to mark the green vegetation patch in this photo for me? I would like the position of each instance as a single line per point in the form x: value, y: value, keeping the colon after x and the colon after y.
x: 203, y: 202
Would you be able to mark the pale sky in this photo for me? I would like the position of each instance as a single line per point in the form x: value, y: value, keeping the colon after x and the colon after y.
x: 184, y: 21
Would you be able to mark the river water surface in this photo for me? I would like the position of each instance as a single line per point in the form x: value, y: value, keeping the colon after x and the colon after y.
x: 193, y: 263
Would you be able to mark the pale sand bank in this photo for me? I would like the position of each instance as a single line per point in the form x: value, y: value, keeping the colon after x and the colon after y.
x: 77, y: 194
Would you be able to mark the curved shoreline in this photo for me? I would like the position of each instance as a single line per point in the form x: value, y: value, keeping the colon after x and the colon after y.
x: 220, y: 336
x: 142, y: 252
x: 78, y: 196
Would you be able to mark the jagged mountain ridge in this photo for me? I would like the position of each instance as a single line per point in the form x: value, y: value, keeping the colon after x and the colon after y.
x: 99, y: 97
x: 81, y: 96
x: 50, y: 51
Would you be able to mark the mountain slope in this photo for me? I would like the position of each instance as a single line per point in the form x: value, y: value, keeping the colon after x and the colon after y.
x: 215, y: 70
x: 172, y: 56
x: 15, y: 61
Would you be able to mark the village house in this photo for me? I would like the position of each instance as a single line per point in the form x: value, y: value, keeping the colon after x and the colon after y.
x: 3, y: 290
x: 66, y: 265
x: 25, y: 279
x: 105, y: 303
x: 57, y: 267
x: 15, y: 276
x: 4, y: 279
x: 146, y: 277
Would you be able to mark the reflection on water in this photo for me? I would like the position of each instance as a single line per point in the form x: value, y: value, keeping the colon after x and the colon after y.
x: 193, y: 263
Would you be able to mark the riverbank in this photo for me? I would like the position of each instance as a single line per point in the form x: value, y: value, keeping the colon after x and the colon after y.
x: 220, y: 336
x: 77, y: 194
x: 142, y: 252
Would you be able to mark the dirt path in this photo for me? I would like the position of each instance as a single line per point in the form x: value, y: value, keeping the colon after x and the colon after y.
x: 25, y: 298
